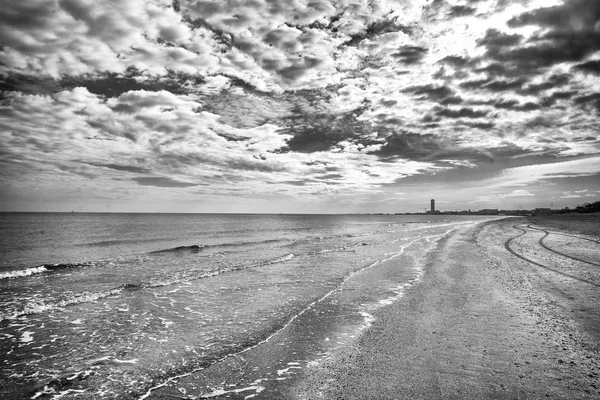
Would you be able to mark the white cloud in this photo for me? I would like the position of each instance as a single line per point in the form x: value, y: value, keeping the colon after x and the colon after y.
x: 516, y: 193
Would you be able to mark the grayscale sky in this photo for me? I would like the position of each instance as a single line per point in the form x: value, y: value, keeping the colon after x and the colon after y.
x: 299, y: 106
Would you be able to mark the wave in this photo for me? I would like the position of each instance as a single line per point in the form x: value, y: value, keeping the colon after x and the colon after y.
x: 43, y: 269
x: 194, y: 248
x: 23, y: 272
x: 114, y: 242
x: 40, y: 306
x: 209, y: 274
x: 37, y: 307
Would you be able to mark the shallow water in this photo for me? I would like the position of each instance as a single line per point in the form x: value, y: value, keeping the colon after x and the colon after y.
x: 113, y: 305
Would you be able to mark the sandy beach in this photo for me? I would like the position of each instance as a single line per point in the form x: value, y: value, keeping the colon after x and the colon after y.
x: 507, y: 309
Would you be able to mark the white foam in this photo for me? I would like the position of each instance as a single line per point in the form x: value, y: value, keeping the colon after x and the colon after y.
x: 285, y: 258
x: 40, y: 307
x: 23, y: 272
x: 27, y: 337
x: 133, y: 361
x: 287, y: 370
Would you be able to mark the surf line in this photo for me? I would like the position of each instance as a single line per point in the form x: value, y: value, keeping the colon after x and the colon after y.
x: 302, y: 312
x: 546, y: 234
x: 510, y: 250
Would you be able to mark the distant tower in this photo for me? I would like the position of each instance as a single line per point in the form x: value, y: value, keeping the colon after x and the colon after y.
x: 432, y: 206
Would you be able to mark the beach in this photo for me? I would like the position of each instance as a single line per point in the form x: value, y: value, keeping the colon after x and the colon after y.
x: 307, y: 307
x: 133, y: 306
x: 507, y: 309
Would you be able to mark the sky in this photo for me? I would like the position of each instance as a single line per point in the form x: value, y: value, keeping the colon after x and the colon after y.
x: 298, y: 106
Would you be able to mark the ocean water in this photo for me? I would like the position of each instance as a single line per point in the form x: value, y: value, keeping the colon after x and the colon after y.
x: 118, y: 305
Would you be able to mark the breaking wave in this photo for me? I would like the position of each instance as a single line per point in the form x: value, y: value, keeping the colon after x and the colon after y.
x: 43, y: 269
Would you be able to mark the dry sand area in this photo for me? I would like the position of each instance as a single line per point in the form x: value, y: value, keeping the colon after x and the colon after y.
x: 509, y: 309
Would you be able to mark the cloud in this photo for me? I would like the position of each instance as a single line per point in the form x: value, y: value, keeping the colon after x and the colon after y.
x: 126, y: 168
x: 461, y: 11
x: 441, y: 94
x: 320, y: 99
x: 461, y: 113
x: 571, y: 34
x: 529, y: 174
x: 516, y: 193
x: 410, y: 54
x: 495, y: 40
x: 592, y: 67
x: 161, y: 181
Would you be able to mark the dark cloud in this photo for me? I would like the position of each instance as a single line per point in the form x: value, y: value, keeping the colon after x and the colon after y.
x: 120, y: 167
x: 563, y: 94
x: 289, y: 68
x: 475, y: 84
x: 495, y: 41
x: 495, y: 85
x: 29, y: 84
x: 329, y: 176
x: 461, y: 11
x: 494, y: 69
x: 570, y: 35
x: 313, y: 132
x: 375, y: 29
x: 501, y: 86
x: 571, y: 15
x: 481, y: 125
x: 410, y: 54
x: 553, y: 82
x: 232, y: 137
x: 110, y: 129
x: 590, y: 100
x: 441, y: 94
x: 161, y: 181
x: 298, y: 182
x: 388, y: 103
x: 314, y: 136
x: 552, y: 49
x: 540, y: 121
x: 429, y: 147
x: 410, y: 145
x: 528, y: 106
x: 456, y: 61
x: 114, y: 85
x: 592, y: 67
x: 461, y: 113
x: 516, y: 106
x: 551, y: 100
x: 103, y: 84
x: 299, y: 68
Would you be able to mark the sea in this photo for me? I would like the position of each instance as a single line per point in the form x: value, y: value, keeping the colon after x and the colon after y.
x: 128, y: 306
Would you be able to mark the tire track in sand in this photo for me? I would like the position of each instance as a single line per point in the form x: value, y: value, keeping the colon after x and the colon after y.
x: 510, y: 250
x: 541, y: 242
x: 564, y: 234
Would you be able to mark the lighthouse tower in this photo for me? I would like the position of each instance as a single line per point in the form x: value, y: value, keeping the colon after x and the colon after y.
x: 432, y: 206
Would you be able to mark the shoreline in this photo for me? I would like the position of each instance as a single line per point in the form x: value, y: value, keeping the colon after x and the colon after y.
x: 482, y: 323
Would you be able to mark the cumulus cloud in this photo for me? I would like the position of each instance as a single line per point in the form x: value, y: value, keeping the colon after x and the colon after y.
x: 299, y: 98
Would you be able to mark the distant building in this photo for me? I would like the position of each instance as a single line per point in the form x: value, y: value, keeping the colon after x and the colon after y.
x: 432, y: 206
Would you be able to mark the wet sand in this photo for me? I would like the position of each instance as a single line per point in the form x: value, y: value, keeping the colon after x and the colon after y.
x: 508, y: 309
